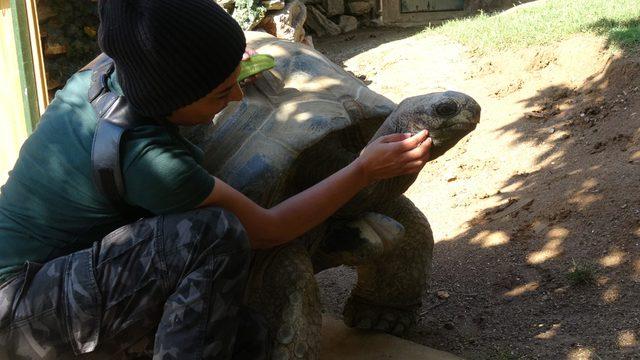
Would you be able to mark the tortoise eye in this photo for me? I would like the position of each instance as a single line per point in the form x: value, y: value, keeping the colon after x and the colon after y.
x: 447, y: 108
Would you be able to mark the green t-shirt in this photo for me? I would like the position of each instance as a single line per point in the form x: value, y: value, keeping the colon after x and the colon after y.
x: 50, y: 207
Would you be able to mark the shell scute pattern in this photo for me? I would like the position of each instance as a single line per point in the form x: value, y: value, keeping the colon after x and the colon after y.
x: 252, y: 145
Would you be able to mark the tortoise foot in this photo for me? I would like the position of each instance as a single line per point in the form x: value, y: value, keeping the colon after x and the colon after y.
x: 359, y: 241
x: 360, y: 314
x: 284, y: 289
x: 295, y: 344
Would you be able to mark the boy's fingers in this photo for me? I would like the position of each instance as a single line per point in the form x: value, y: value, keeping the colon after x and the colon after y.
x: 420, y: 152
x: 412, y: 170
x: 394, y: 137
x: 414, y: 141
x: 248, y: 53
x: 414, y: 164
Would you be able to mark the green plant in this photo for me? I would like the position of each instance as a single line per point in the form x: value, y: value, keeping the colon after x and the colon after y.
x: 581, y: 273
x: 548, y: 22
x: 248, y: 13
x: 503, y: 353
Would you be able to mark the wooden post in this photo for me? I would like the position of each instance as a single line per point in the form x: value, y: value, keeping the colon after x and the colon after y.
x: 23, y: 96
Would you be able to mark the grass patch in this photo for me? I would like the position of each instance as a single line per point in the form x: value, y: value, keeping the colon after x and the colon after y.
x: 505, y: 355
x: 548, y: 22
x: 581, y: 273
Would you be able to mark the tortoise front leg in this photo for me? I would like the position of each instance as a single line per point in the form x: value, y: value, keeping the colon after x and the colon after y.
x: 390, y: 288
x: 283, y: 288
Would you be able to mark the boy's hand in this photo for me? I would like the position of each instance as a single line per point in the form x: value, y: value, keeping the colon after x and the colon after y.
x: 385, y: 157
x: 393, y: 155
x: 248, y: 52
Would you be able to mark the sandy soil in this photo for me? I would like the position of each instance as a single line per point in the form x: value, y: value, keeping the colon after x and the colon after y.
x: 548, y: 180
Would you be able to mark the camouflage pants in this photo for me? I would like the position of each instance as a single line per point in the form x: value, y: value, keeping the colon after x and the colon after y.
x: 178, y: 280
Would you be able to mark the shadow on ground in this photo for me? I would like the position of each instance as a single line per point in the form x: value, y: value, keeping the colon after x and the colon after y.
x: 563, y: 247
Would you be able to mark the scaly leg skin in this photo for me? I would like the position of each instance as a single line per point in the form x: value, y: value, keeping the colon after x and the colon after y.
x: 390, y: 289
x: 284, y: 290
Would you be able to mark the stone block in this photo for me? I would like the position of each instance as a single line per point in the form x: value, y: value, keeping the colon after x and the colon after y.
x: 287, y: 23
x: 227, y: 5
x: 359, y: 7
x: 54, y: 49
x: 45, y: 12
x: 308, y: 40
x: 333, y: 7
x: 348, y: 23
x: 344, y: 343
x: 273, y: 4
x: 319, y: 23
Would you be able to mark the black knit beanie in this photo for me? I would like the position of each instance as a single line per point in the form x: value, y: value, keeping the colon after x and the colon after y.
x: 169, y: 53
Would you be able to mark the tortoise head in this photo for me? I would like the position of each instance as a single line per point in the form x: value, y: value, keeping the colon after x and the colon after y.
x: 448, y: 116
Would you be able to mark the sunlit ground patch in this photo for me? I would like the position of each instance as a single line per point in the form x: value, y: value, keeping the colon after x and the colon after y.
x: 613, y: 258
x: 627, y: 339
x: 552, y: 248
x: 523, y: 289
x: 549, y: 334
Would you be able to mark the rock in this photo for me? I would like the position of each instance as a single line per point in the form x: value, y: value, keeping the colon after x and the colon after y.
x: 373, y: 4
x: 287, y: 23
x: 348, y: 23
x: 319, y: 23
x: 273, y: 4
x: 45, y: 12
x: 522, y: 203
x: 333, y: 7
x: 308, y: 40
x: 345, y: 343
x: 228, y: 5
x: 54, y: 49
x: 442, y: 294
x: 248, y: 13
x: 376, y: 22
x: 90, y: 31
x: 359, y: 7
x: 53, y: 84
x: 267, y: 25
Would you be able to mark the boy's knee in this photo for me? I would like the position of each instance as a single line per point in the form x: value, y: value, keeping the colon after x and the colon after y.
x: 205, y: 228
x: 222, y: 229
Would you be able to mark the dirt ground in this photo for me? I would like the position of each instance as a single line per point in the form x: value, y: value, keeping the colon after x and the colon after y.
x: 548, y: 181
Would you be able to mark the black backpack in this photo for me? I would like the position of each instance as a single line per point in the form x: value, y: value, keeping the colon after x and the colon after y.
x: 115, y: 118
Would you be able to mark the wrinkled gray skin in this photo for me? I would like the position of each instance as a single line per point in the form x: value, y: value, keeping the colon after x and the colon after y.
x: 299, y: 123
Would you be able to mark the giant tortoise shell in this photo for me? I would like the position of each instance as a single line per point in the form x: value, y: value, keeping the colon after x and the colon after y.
x: 252, y: 145
x: 289, y: 118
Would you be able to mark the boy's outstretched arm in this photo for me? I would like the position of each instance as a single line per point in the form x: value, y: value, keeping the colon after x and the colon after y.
x: 386, y: 157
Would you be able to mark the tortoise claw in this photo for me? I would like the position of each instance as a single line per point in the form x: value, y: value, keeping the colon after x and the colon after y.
x: 363, y: 315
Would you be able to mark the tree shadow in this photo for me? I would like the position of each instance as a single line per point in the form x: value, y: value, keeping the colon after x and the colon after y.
x: 619, y: 33
x: 577, y: 209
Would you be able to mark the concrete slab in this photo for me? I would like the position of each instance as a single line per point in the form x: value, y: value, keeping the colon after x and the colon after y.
x: 340, y: 342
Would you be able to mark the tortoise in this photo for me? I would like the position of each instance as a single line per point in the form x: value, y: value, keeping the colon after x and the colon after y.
x: 299, y: 123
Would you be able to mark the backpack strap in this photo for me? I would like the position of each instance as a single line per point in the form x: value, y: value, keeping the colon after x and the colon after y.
x: 115, y: 118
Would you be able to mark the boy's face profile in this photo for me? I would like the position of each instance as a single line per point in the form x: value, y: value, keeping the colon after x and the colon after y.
x: 204, y: 109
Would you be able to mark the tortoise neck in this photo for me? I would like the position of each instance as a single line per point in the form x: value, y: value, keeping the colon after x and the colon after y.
x: 387, y: 128
x: 389, y: 189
